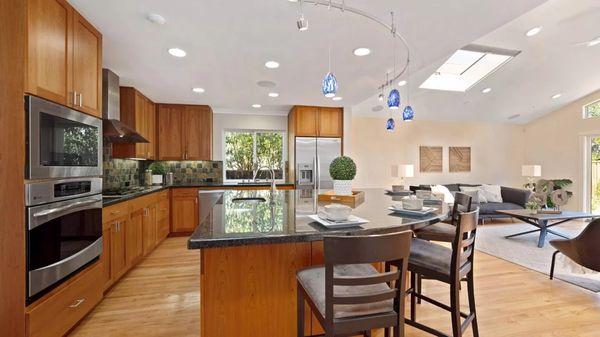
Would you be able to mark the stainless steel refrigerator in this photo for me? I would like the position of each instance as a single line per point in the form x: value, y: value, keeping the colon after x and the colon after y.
x: 313, y: 156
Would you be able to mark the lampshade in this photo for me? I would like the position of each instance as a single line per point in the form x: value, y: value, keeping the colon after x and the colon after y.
x: 394, y: 99
x: 531, y: 171
x: 408, y: 114
x: 406, y: 170
x: 390, y: 124
x: 330, y: 85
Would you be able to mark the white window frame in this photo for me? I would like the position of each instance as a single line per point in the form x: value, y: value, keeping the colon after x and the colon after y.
x: 254, y: 132
x: 584, y: 109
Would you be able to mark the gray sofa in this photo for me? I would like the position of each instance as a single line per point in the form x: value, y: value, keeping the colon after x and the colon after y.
x: 512, y: 198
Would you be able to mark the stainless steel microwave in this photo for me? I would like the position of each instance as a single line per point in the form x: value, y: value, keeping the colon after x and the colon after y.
x: 61, y: 142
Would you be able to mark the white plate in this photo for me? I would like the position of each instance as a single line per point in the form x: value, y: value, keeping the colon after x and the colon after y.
x: 423, y: 211
x: 350, y: 222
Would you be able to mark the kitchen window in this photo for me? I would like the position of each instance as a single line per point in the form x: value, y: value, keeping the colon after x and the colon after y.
x: 247, y: 151
x: 592, y: 110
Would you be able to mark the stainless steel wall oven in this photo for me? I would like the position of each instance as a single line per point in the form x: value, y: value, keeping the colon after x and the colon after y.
x: 64, y: 230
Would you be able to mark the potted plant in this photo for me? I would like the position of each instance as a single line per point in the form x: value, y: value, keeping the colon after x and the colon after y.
x: 532, y: 207
x: 159, y: 169
x: 342, y: 170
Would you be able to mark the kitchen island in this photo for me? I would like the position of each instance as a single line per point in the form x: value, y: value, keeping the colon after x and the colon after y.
x: 251, y: 245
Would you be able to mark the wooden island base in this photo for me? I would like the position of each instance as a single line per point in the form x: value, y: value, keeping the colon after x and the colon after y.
x: 249, y: 291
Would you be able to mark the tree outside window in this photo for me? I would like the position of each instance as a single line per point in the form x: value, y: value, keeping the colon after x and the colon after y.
x: 592, y: 110
x: 246, y: 151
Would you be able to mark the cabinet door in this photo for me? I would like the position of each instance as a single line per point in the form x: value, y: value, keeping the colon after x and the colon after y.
x: 331, y: 122
x: 184, y: 212
x: 141, y: 125
x: 105, y: 258
x: 150, y: 112
x: 306, y: 121
x: 162, y: 220
x: 149, y: 225
x: 49, y: 46
x: 87, y: 66
x: 134, y: 238
x: 117, y: 249
x: 170, y: 137
x: 197, y: 130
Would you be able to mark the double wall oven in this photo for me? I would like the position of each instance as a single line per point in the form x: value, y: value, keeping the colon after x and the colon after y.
x: 63, y: 193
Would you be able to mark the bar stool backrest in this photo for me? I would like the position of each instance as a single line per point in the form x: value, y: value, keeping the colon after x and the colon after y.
x: 463, y: 245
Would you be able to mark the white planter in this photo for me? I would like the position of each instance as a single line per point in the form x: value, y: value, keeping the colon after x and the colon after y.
x: 157, y: 179
x: 342, y: 187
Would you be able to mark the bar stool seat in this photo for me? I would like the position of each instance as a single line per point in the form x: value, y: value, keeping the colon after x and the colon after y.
x: 313, y: 282
x: 433, y: 260
x: 440, y: 231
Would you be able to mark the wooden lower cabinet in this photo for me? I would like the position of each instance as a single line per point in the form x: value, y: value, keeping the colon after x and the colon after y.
x: 63, y: 307
x: 162, y: 217
x: 118, y: 258
x: 184, y: 206
x: 105, y: 258
x: 149, y: 228
x: 134, y: 237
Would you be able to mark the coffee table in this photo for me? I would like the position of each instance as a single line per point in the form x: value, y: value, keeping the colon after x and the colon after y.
x: 542, y: 222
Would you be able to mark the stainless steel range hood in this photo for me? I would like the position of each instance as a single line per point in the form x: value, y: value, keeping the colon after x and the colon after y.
x: 114, y: 130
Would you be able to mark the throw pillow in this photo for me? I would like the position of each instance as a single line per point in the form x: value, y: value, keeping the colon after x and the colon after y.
x: 493, y: 193
x: 476, y: 189
x: 448, y: 197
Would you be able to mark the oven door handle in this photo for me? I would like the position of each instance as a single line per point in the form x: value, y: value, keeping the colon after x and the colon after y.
x: 64, y: 208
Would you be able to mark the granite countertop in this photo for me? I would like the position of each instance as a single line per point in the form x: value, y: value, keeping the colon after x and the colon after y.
x: 151, y: 189
x: 227, y: 223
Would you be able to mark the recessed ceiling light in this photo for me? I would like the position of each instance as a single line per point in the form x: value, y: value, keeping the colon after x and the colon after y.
x: 534, y: 31
x: 402, y: 83
x: 514, y: 116
x: 266, y: 84
x: 594, y: 42
x: 486, y: 90
x: 377, y: 108
x: 198, y: 90
x: 557, y: 96
x: 156, y: 18
x: 256, y: 106
x: 362, y: 51
x: 273, y: 94
x: 337, y: 98
x: 177, y: 52
x: 272, y: 64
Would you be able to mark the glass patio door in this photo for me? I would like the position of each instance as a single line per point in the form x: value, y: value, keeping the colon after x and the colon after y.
x: 594, y: 169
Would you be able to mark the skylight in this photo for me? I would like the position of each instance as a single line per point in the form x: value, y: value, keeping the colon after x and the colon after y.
x: 467, y: 66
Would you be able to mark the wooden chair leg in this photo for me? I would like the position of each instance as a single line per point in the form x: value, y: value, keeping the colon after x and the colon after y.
x: 552, y: 265
x: 413, y: 302
x: 455, y: 309
x: 386, y: 332
x: 300, y: 311
x: 367, y: 333
x: 471, y: 293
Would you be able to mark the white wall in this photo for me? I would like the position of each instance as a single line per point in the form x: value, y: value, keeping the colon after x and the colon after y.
x: 556, y: 142
x: 497, y: 151
x: 227, y: 121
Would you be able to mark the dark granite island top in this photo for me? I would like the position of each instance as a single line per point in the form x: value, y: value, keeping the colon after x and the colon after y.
x: 226, y: 223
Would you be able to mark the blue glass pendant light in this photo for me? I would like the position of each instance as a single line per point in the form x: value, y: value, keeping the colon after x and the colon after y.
x: 330, y: 85
x: 408, y: 113
x: 390, y: 124
x: 394, y: 99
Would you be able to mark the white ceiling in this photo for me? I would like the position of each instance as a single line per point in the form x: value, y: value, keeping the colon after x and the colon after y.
x: 228, y: 43
x: 551, y: 62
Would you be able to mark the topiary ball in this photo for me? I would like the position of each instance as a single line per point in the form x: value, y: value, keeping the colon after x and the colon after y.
x: 342, y: 168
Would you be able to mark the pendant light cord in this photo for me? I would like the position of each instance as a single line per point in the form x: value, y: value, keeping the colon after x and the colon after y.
x: 329, y: 43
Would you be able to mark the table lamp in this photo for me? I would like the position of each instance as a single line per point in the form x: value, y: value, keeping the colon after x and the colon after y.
x: 531, y: 172
x: 403, y: 171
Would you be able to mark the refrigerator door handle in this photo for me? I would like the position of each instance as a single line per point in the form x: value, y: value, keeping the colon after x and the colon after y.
x: 318, y: 170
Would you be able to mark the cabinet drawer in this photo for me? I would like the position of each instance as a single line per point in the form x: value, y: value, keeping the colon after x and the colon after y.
x: 163, y: 195
x: 185, y: 192
x: 55, y: 315
x: 113, y: 212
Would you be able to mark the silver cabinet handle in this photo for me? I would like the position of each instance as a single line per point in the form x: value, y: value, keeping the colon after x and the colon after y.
x: 115, y: 212
x: 64, y: 208
x: 74, y: 98
x: 77, y: 303
x: 80, y: 99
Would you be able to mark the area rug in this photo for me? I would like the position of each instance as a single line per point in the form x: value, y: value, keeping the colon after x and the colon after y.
x: 523, y: 251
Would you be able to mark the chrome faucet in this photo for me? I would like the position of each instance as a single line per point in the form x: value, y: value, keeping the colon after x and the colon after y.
x: 273, y: 185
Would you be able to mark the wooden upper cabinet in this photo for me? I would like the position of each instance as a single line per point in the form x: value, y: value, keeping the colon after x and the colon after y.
x: 312, y: 121
x: 331, y: 122
x: 306, y: 118
x: 170, y: 137
x: 87, y: 66
x: 49, y: 46
x: 197, y: 130
x: 139, y: 113
x: 184, y: 132
x: 64, y: 56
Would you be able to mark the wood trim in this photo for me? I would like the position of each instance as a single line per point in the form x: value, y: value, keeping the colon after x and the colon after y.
x: 13, y: 16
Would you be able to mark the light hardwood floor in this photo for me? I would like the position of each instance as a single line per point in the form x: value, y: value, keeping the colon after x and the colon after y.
x: 160, y: 297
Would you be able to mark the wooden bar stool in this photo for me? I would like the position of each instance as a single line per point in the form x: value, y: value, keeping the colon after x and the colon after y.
x: 443, y: 231
x: 432, y: 261
x: 348, y: 295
